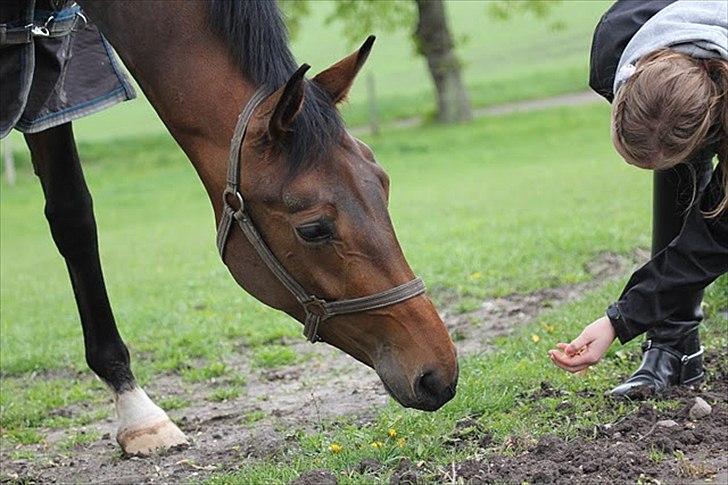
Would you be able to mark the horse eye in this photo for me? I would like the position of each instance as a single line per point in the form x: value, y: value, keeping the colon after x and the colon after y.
x: 317, y: 231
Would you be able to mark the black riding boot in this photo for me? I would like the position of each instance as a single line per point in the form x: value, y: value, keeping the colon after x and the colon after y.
x: 672, y: 352
x: 664, y: 366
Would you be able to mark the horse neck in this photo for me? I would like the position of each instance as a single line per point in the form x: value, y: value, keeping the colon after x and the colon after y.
x: 185, y: 72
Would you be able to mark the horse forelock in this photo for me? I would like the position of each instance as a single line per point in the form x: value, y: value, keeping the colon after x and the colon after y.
x: 256, y: 35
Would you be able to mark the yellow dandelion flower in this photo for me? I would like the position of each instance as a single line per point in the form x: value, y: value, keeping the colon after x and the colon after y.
x: 535, y: 338
x: 335, y: 448
x: 548, y: 328
x: 475, y: 276
x: 401, y: 442
x: 392, y: 433
x: 377, y: 444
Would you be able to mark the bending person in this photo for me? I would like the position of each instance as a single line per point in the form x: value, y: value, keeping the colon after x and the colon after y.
x: 664, y: 65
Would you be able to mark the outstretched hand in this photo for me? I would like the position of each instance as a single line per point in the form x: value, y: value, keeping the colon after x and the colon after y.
x: 585, y: 350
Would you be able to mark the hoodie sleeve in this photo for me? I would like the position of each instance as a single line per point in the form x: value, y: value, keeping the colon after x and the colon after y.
x: 693, y: 260
x: 611, y: 36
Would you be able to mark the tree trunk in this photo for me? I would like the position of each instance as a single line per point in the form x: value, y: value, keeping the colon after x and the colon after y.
x: 434, y: 41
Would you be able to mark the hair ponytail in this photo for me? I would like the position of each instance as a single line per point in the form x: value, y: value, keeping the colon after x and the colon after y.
x: 669, y: 109
x: 718, y: 72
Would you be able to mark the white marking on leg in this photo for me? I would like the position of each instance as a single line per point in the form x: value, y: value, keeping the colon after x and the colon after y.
x: 144, y: 426
x: 136, y: 410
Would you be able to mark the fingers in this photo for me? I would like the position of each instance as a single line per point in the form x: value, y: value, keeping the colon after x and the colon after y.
x: 578, y: 344
x: 568, y: 368
x: 566, y: 349
x: 572, y: 363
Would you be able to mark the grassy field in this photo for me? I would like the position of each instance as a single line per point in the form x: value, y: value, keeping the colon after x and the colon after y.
x: 518, y: 206
x: 500, y: 60
x: 493, y: 207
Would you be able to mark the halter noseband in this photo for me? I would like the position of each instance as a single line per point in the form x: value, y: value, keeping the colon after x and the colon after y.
x: 316, y: 309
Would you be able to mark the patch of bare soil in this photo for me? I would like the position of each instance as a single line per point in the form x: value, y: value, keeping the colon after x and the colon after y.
x: 473, y: 331
x: 647, y: 446
x: 274, y: 406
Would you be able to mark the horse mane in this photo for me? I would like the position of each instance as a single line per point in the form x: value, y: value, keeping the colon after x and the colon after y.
x: 257, y: 37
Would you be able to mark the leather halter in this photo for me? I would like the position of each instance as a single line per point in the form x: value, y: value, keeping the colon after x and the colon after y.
x: 316, y: 309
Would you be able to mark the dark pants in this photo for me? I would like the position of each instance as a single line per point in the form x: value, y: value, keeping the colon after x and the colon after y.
x: 675, y: 193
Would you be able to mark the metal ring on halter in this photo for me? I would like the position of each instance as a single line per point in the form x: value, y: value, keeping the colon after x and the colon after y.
x: 238, y: 195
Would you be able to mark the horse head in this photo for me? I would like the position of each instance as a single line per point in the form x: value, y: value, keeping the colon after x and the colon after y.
x: 319, y: 199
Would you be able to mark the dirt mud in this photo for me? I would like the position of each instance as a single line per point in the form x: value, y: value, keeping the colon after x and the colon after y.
x: 647, y: 446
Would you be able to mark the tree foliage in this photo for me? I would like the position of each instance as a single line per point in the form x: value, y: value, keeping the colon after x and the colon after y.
x: 506, y: 9
x: 360, y: 18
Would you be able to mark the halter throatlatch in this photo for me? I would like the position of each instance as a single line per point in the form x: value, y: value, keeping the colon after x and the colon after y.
x: 316, y: 309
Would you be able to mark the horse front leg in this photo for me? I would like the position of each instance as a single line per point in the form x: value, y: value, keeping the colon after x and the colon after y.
x: 143, y: 426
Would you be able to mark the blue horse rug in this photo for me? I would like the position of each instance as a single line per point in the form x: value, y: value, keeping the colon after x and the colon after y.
x: 55, y: 66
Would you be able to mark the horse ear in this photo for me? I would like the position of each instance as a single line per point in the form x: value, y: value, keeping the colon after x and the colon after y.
x: 288, y: 103
x: 338, y: 79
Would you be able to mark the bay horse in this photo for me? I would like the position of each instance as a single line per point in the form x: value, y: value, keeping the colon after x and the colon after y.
x: 315, y: 193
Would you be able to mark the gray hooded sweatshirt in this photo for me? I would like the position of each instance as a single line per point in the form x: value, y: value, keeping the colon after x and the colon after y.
x: 698, y: 28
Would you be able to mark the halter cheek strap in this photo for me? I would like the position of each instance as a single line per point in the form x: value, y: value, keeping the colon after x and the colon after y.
x: 316, y: 309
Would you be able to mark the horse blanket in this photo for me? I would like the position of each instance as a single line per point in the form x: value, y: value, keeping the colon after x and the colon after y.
x: 55, y: 66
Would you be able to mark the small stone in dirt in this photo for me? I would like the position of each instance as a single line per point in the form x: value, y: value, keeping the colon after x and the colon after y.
x: 700, y: 409
x: 368, y: 465
x: 666, y: 423
x: 316, y: 477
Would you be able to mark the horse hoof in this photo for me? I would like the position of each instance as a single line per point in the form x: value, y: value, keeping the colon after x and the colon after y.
x: 160, y: 436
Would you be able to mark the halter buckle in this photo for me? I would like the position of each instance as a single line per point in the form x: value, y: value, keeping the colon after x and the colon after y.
x: 316, y: 307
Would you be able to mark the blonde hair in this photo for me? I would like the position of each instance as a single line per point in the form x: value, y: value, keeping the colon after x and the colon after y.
x: 672, y: 107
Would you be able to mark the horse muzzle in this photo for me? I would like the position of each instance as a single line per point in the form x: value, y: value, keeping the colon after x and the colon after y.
x: 428, y: 390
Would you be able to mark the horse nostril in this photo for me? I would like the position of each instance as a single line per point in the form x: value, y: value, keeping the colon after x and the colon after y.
x: 432, y: 388
x: 428, y: 384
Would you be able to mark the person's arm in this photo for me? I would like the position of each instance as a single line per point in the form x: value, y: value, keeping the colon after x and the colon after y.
x: 697, y: 257
x: 692, y: 261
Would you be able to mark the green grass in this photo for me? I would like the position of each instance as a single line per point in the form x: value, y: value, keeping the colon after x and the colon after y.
x: 224, y: 394
x: 522, y: 58
x: 25, y: 436
x: 173, y: 402
x: 269, y: 356
x: 79, y: 439
x: 200, y: 374
x: 504, y: 205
